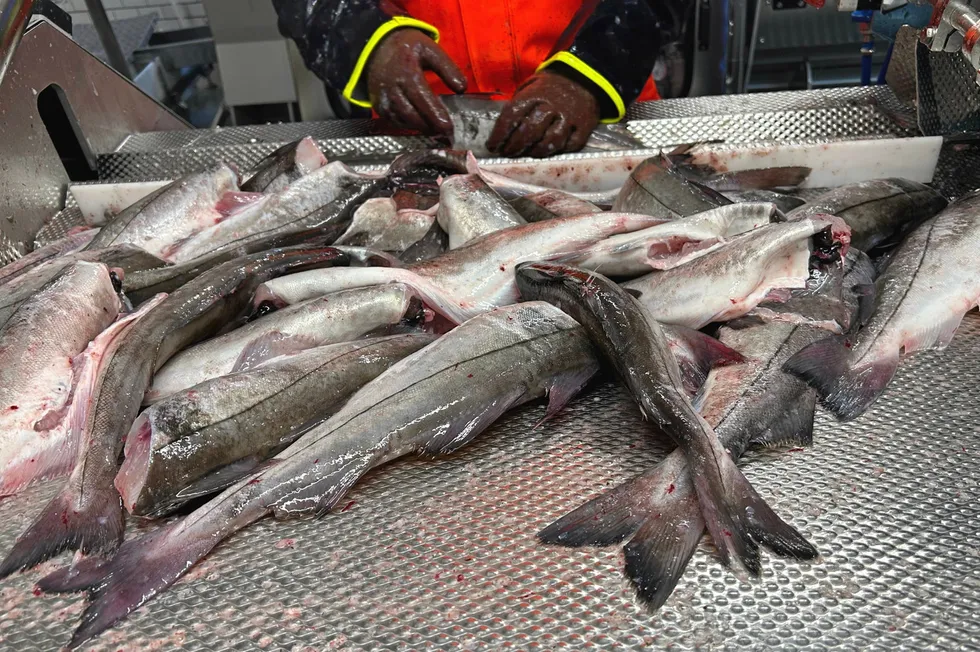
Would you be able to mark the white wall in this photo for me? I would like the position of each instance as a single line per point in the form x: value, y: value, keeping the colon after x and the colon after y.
x: 191, y: 12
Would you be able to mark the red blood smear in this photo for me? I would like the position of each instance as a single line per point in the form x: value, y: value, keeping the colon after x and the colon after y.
x: 37, y: 590
x: 469, y: 375
x: 14, y: 407
x: 255, y: 480
x: 348, y: 505
x: 796, y: 450
x: 670, y: 489
x: 726, y: 533
x: 459, y: 578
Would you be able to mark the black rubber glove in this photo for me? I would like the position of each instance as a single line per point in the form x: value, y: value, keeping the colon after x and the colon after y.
x: 549, y: 114
x: 397, y: 86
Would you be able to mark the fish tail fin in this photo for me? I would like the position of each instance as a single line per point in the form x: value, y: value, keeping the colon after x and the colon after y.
x: 95, y: 527
x: 140, y: 570
x: 605, y: 520
x: 737, y: 516
x: 846, y: 391
x: 660, y: 550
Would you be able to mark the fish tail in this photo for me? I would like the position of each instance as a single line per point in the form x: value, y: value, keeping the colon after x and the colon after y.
x: 606, y: 520
x: 660, y: 550
x: 737, y: 517
x: 95, y: 527
x: 847, y: 391
x: 140, y: 570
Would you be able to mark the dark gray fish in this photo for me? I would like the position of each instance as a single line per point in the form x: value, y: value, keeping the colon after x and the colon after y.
x: 922, y: 295
x: 208, y: 437
x: 879, y: 212
x: 634, y: 344
x: 87, y: 515
x: 751, y: 403
x: 66, y: 245
x: 785, y: 203
x: 433, y: 402
x: 142, y: 285
x: 656, y: 187
x: 283, y: 166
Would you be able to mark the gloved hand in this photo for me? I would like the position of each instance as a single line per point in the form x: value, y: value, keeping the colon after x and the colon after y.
x: 397, y: 86
x: 550, y: 113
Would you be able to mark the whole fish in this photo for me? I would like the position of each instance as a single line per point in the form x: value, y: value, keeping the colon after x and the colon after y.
x: 283, y: 166
x: 731, y: 280
x: 379, y: 223
x: 271, y: 213
x: 206, y: 438
x: 656, y: 187
x: 464, y: 282
x: 658, y: 511
x: 469, y: 209
x: 632, y: 342
x: 141, y: 285
x: 432, y: 402
x: 87, y: 514
x: 66, y: 245
x: 754, y: 403
x: 37, y: 347
x: 879, y: 212
x: 549, y: 204
x: 672, y: 242
x: 332, y: 318
x: 930, y: 283
x: 171, y: 213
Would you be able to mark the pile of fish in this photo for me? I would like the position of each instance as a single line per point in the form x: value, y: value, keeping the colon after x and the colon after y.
x: 266, y: 339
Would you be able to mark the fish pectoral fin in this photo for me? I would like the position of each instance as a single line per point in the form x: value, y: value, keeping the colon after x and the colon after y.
x: 317, y: 498
x: 221, y: 478
x: 563, y: 388
x: 656, y: 556
x: 235, y: 200
x: 469, y: 422
x: 792, y: 428
x: 270, y: 345
x: 706, y: 353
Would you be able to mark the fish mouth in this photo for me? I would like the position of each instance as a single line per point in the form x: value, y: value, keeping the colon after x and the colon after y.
x: 135, y: 468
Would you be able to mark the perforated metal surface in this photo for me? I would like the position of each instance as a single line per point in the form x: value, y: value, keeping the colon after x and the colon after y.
x: 442, y: 555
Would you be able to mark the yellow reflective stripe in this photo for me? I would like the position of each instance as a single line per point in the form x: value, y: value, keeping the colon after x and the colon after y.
x: 590, y: 73
x: 393, y: 24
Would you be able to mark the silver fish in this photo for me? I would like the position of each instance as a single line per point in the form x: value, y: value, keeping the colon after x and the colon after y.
x: 332, y: 318
x: 731, y: 280
x: 469, y: 209
x: 87, y: 514
x: 549, y: 204
x: 657, y: 187
x: 66, y: 245
x: 37, y: 346
x: 930, y: 283
x: 432, y: 402
x: 206, y: 438
x: 464, y: 282
x: 379, y: 223
x: 673, y: 242
x: 636, y: 347
x: 170, y: 214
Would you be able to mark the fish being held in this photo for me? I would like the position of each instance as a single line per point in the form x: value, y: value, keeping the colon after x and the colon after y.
x: 87, y: 515
x: 38, y: 345
x: 930, y: 283
x: 203, y: 439
x: 634, y: 344
x: 433, y: 402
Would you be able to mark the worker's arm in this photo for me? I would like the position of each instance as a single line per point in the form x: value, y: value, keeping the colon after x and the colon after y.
x: 598, y: 68
x: 376, y: 57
